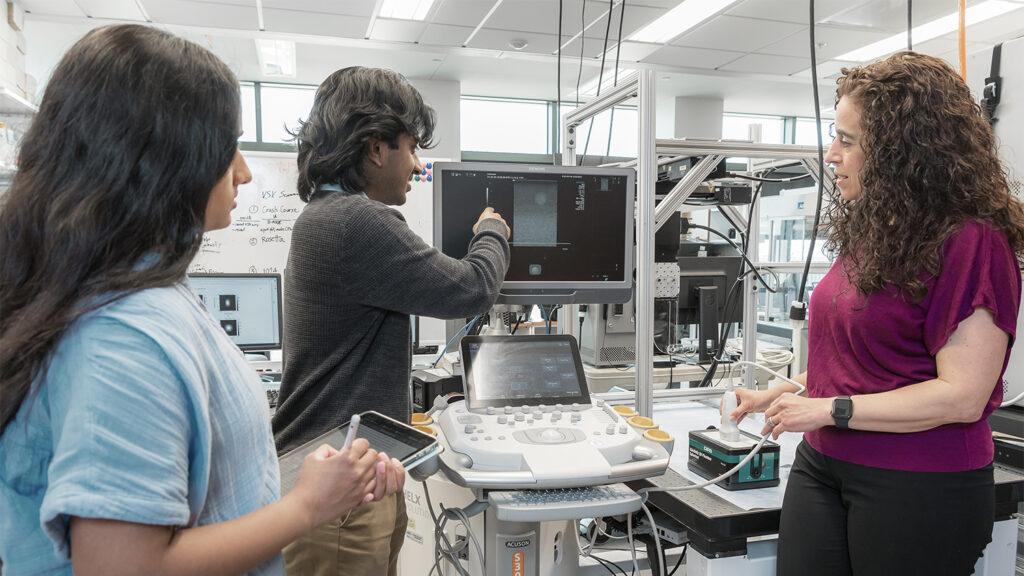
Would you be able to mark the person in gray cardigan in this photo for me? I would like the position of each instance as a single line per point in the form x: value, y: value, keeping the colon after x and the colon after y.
x: 355, y: 273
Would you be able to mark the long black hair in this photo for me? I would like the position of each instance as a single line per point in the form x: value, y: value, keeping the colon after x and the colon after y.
x: 351, y: 106
x: 134, y: 129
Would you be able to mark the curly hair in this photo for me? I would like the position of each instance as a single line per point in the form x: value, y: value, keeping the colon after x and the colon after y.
x: 930, y: 165
x: 351, y: 106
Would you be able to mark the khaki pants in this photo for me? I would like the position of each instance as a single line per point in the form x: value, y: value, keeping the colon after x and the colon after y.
x: 365, y: 543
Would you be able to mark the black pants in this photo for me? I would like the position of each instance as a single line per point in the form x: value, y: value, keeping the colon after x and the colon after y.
x: 841, y: 519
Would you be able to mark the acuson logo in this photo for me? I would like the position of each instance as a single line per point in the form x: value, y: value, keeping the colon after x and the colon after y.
x: 517, y: 543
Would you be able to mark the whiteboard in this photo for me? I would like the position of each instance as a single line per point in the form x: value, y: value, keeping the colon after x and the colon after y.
x: 260, y: 233
x: 261, y: 225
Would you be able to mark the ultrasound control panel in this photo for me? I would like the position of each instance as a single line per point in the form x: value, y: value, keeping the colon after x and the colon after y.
x: 542, y: 446
x: 542, y: 431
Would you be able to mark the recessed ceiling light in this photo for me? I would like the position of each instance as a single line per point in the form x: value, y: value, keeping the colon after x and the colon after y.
x: 518, y: 43
x: 680, y: 19
x: 934, y: 29
x: 405, y: 9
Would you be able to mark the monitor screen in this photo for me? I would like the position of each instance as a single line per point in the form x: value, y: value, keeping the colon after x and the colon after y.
x: 523, y: 370
x: 248, y: 306
x: 718, y: 271
x: 572, y: 227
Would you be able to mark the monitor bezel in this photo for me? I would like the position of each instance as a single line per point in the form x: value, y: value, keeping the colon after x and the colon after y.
x: 548, y: 292
x: 280, y: 307
x: 469, y: 385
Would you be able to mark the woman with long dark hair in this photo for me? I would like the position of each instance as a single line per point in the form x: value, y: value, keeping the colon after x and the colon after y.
x: 134, y: 437
x: 910, y: 334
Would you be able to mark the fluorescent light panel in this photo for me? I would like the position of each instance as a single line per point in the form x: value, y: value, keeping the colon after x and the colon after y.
x: 406, y: 9
x: 934, y: 29
x: 680, y: 19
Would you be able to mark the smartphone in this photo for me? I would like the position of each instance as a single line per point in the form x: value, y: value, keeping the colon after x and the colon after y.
x: 410, y: 446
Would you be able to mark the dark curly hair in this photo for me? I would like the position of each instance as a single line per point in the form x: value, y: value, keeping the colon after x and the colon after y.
x: 134, y: 129
x: 351, y: 106
x: 930, y: 165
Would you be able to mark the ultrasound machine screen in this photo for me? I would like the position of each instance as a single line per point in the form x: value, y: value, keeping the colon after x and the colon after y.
x: 523, y: 370
x: 572, y: 227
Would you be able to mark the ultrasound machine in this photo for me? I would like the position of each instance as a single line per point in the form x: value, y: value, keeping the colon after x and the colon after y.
x: 527, y: 452
x: 535, y: 454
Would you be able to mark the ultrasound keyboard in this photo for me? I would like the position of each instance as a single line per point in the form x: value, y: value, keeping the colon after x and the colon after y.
x: 564, y: 504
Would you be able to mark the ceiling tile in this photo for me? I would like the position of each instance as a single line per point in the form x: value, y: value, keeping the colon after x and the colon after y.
x: 763, y: 64
x: 390, y: 30
x: 499, y: 40
x: 795, y: 11
x: 444, y: 35
x: 203, y: 14
x: 348, y: 7
x: 53, y: 7
x: 831, y: 41
x: 736, y: 34
x: 461, y: 12
x: 996, y: 30
x: 636, y: 18
x: 633, y: 51
x: 542, y: 16
x: 691, y: 57
x: 889, y: 16
x: 112, y: 9
x: 300, y: 22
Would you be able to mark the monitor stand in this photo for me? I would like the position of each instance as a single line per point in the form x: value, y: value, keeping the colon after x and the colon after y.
x: 707, y: 329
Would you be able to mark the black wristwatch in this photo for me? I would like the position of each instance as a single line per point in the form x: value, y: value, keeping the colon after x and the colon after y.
x: 842, y: 411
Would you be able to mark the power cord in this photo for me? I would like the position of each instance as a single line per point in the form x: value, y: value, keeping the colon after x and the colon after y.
x: 800, y: 390
x: 443, y: 548
x: 466, y: 328
x: 776, y: 180
x: 798, y: 309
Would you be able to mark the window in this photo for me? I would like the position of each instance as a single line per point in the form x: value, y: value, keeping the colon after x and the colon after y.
x: 805, y: 133
x: 248, y: 90
x: 511, y: 126
x: 623, y: 139
x: 282, y: 106
x: 737, y: 127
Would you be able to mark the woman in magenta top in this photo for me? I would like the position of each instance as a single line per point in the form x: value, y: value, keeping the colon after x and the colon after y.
x: 910, y: 333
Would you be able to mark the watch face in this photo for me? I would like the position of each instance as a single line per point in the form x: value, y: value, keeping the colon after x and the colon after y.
x: 842, y: 408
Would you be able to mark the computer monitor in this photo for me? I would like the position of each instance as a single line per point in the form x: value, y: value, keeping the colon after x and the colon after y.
x: 572, y: 227
x: 706, y: 274
x: 248, y: 307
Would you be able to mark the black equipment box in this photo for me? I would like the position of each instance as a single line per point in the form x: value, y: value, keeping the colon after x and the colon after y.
x: 429, y: 384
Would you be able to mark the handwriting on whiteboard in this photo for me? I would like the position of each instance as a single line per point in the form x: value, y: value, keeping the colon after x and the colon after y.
x: 261, y: 224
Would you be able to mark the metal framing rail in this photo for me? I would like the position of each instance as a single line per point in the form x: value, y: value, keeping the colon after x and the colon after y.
x: 649, y: 218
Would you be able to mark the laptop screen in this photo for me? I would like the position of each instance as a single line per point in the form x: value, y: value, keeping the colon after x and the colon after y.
x: 523, y: 370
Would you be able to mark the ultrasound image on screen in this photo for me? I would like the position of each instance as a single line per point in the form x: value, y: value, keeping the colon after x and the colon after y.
x: 565, y: 227
x: 514, y: 370
x: 534, y: 217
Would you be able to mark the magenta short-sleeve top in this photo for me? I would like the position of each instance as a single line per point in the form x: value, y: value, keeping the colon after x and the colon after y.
x: 864, y: 345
